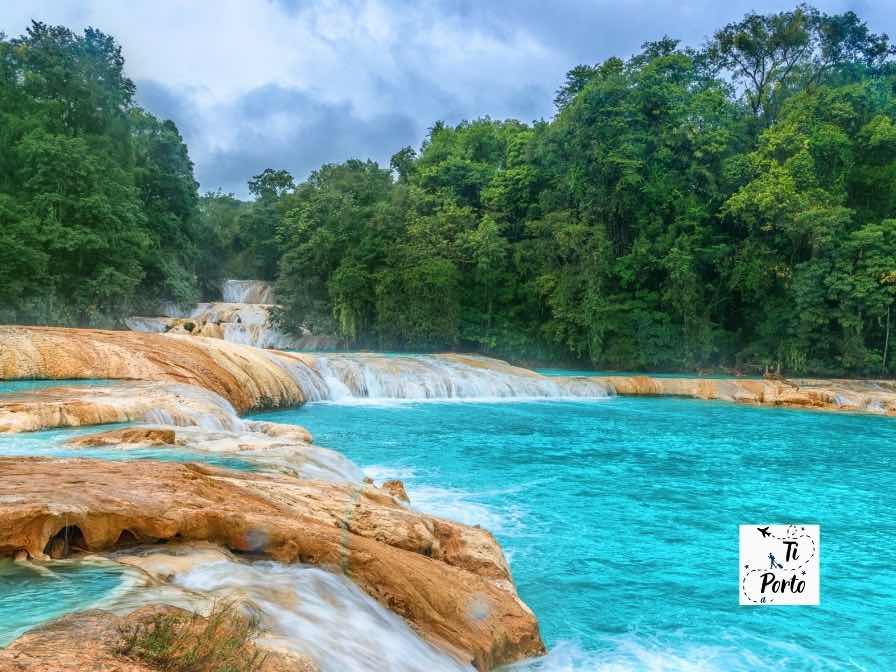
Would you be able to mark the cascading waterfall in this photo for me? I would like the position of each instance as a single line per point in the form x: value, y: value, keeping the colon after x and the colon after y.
x: 360, y: 376
x: 199, y: 407
x: 321, y: 614
x: 247, y: 291
x: 256, y: 335
x: 301, y: 608
x: 309, y: 378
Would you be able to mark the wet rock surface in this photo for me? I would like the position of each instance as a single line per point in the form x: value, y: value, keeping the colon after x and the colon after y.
x: 247, y: 377
x: 449, y: 581
x: 73, y: 406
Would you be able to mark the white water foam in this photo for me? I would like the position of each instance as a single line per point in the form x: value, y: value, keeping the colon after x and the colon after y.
x: 362, y: 378
x: 324, y: 615
x: 463, y: 507
x: 379, y: 472
x: 442, y: 377
x: 199, y: 407
x: 633, y: 653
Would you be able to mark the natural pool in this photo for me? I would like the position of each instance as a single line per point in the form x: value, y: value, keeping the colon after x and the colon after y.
x: 29, y: 595
x: 7, y: 386
x: 621, y: 516
x: 52, y: 443
x: 578, y: 373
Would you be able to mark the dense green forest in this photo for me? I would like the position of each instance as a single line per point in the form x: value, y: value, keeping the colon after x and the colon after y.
x: 727, y: 205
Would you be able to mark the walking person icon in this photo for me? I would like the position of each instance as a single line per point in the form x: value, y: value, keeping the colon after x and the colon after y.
x: 774, y: 563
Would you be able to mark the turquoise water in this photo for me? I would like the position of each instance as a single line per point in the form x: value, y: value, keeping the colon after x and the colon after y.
x: 620, y: 518
x: 29, y: 597
x: 51, y: 443
x: 29, y: 385
x: 590, y: 372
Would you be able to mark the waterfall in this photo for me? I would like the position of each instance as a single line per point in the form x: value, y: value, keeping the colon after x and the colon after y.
x: 244, y: 317
x: 257, y: 335
x: 194, y: 406
x: 301, y: 608
x: 247, y: 291
x: 321, y: 614
x: 309, y: 379
x: 360, y: 376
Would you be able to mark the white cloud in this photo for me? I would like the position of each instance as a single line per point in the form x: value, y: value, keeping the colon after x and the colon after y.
x: 391, y: 67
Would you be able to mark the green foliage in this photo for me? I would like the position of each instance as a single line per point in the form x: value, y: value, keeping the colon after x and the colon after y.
x: 97, y: 197
x: 663, y: 219
x: 730, y: 206
x: 175, y: 642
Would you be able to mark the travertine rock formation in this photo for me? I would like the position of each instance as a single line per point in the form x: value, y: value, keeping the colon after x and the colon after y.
x: 152, y: 436
x: 284, y: 449
x: 396, y: 489
x: 74, y: 406
x: 449, y: 581
x: 249, y: 378
x: 842, y: 395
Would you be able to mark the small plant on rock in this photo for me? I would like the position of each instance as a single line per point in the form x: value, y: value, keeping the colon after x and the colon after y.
x: 181, y: 642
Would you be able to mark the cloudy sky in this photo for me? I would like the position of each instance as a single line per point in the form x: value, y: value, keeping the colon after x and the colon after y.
x: 297, y: 83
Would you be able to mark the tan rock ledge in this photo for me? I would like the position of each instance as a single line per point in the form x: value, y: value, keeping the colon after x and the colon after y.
x: 247, y: 377
x: 449, y: 581
x: 862, y: 396
x: 72, y: 406
x: 270, y: 447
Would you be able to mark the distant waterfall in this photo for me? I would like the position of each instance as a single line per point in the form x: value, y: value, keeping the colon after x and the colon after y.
x: 247, y: 291
x: 348, y: 377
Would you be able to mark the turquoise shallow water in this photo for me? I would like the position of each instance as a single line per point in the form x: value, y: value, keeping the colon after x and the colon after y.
x: 29, y: 597
x: 590, y: 372
x: 51, y: 443
x: 620, y: 518
x: 28, y: 385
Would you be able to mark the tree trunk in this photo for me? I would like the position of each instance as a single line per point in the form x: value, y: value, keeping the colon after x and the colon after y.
x: 883, y: 367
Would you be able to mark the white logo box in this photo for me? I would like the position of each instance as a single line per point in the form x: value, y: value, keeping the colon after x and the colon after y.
x: 779, y: 564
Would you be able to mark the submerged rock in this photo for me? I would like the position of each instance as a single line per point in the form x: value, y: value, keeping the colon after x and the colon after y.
x: 450, y: 581
x: 153, y: 436
x: 285, y: 449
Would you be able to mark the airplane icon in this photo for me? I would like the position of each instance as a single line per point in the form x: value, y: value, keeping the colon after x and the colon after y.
x: 764, y: 531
